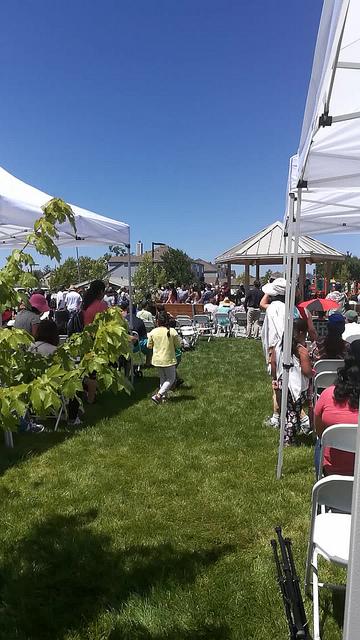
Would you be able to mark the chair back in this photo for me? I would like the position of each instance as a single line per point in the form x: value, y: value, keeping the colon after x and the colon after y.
x: 262, y: 317
x: 202, y: 319
x: 322, y: 381
x: 149, y: 326
x: 321, y: 327
x: 339, y: 436
x: 62, y: 339
x: 335, y: 492
x: 222, y: 319
x: 184, y: 321
x: 241, y: 317
x: 328, y: 365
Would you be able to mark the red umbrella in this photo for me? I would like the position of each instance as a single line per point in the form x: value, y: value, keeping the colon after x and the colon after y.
x: 318, y: 304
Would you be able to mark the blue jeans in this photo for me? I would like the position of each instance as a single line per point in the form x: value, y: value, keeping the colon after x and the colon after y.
x: 317, y: 456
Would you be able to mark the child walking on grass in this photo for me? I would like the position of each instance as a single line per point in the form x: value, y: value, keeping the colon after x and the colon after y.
x: 163, y: 341
x: 299, y: 375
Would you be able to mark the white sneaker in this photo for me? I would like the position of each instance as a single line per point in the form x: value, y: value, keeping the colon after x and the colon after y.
x: 272, y: 421
x: 305, y: 428
x: 75, y: 423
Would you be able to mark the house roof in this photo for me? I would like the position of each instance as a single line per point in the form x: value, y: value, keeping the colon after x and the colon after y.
x: 267, y: 247
x: 158, y: 252
x: 209, y: 267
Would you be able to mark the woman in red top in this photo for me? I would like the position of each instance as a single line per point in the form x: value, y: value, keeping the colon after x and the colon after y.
x: 93, y: 302
x: 340, y: 404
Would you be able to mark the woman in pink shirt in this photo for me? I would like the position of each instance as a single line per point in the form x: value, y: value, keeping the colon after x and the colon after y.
x: 93, y: 302
x: 340, y: 404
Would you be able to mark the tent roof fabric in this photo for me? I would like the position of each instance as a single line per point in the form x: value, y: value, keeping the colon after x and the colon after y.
x: 329, y: 156
x: 267, y: 247
x: 20, y: 206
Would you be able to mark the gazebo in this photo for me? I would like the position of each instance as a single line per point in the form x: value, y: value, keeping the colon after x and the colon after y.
x: 267, y: 247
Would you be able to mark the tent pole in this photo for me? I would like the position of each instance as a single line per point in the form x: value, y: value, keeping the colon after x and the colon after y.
x: 9, y: 442
x: 352, y: 609
x: 291, y: 273
x: 130, y: 307
x: 78, y: 263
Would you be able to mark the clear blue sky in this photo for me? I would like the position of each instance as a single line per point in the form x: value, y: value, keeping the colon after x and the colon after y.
x: 176, y: 116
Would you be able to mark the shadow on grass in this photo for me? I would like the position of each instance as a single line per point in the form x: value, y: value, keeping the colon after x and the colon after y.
x: 63, y: 575
x: 27, y: 445
x: 139, y: 632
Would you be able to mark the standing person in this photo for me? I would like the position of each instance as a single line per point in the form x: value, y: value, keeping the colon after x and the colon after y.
x: 72, y: 300
x: 252, y: 308
x: 172, y: 297
x: 338, y: 296
x: 300, y: 373
x: 93, y: 302
x: 163, y: 341
x: 60, y: 299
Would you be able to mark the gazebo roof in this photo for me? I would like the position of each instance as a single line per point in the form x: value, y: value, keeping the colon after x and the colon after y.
x: 267, y: 247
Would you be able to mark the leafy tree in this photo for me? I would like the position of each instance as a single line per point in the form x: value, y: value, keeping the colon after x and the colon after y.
x: 177, y: 266
x: 147, y: 278
x: 68, y: 272
x: 117, y: 250
x: 267, y: 275
x: 27, y: 379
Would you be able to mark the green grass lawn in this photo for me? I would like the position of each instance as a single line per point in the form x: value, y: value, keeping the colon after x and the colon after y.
x: 154, y: 522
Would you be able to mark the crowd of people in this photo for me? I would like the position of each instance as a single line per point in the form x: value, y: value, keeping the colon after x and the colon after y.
x: 337, y: 404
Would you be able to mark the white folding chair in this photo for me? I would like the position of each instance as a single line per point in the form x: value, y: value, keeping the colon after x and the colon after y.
x: 327, y: 365
x: 203, y: 325
x: 322, y: 381
x: 149, y: 326
x: 184, y: 321
x: 222, y: 324
x: 329, y: 535
x: 338, y: 436
x: 240, y: 324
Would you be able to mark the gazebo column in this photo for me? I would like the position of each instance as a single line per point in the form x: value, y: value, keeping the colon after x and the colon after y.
x: 302, y: 276
x: 327, y: 277
x: 257, y: 276
x: 228, y: 275
x: 247, y: 277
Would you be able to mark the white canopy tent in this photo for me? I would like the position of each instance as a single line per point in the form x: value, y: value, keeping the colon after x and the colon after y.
x: 324, y: 196
x: 20, y: 206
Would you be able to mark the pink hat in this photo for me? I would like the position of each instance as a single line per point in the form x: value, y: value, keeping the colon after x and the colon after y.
x: 38, y: 301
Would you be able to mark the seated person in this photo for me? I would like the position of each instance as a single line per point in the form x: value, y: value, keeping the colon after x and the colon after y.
x: 47, y: 341
x: 340, y: 404
x: 332, y: 347
x: 28, y: 317
x: 352, y: 326
x: 211, y: 306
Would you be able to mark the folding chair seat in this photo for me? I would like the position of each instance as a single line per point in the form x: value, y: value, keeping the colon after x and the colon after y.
x: 329, y: 535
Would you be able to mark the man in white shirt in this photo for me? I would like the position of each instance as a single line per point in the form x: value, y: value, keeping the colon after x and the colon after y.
x: 352, y: 328
x: 60, y: 300
x: 72, y: 300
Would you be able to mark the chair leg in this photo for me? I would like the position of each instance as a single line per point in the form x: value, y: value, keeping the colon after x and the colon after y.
x: 316, y: 610
x: 307, y: 586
